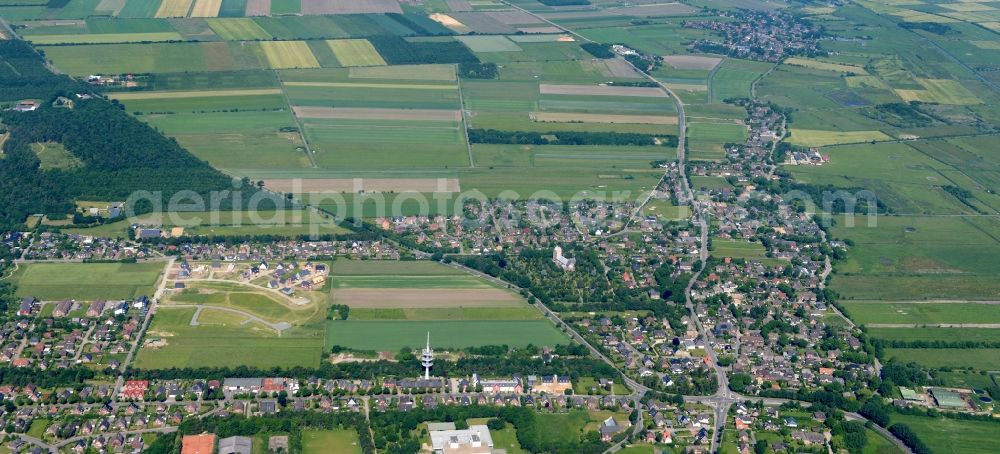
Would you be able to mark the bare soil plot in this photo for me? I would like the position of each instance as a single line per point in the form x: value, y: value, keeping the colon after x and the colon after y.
x: 365, y: 113
x: 692, y: 61
x: 450, y: 22
x: 406, y: 298
x: 514, y: 17
x: 174, y: 8
x: 601, y: 90
x: 619, y: 68
x: 367, y: 184
x: 258, y: 7
x: 567, y: 117
x: 482, y: 23
x: 531, y: 30
x: 206, y: 8
x: 319, y: 7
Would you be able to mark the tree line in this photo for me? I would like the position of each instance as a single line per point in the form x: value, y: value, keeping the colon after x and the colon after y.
x: 496, y: 136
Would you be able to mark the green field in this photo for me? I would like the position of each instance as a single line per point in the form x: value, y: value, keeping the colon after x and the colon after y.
x: 394, y: 335
x: 241, y: 143
x: 950, y: 436
x: 87, y: 281
x: 320, y: 441
x: 235, y: 29
x: 920, y: 313
x: 732, y: 79
x: 82, y: 60
x: 225, y: 346
x: 392, y: 267
x: 292, y: 222
x: 976, y: 358
x: 288, y: 54
x: 814, y: 138
x: 355, y: 52
x: 97, y: 38
x: 937, y: 334
x: 456, y: 313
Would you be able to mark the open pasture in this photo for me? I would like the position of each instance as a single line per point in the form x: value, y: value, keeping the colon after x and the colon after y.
x: 355, y: 52
x: 422, y: 293
x: 815, y: 138
x: 386, y: 144
x: 700, y: 62
x: 737, y: 249
x: 952, y: 436
x: 404, y: 72
x: 445, y: 334
x: 87, y: 281
x: 238, y: 29
x: 934, y: 358
x: 944, y: 91
x: 601, y: 90
x: 238, y: 142
x: 200, y: 101
x: 572, y: 117
x: 930, y: 312
x: 368, y: 185
x: 350, y: 6
x: 733, y: 79
x: 360, y: 113
x: 827, y: 66
x: 489, y: 43
x: 224, y: 346
x: 82, y: 60
x: 937, y: 334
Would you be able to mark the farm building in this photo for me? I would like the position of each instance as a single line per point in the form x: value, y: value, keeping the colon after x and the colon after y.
x: 949, y: 399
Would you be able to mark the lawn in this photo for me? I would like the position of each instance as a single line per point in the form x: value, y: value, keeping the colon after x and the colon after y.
x: 87, y: 281
x: 722, y: 247
x: 394, y: 335
x: 502, y: 439
x: 950, y: 436
x: 339, y: 440
x: 562, y: 427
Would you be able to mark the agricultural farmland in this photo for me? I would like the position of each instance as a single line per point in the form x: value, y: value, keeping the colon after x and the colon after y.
x: 87, y: 281
x: 404, y: 300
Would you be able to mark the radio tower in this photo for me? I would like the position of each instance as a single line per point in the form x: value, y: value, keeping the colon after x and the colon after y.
x: 427, y: 358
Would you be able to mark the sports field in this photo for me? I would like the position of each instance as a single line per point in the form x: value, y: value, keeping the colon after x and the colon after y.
x: 338, y: 440
x: 355, y: 52
x: 87, y: 281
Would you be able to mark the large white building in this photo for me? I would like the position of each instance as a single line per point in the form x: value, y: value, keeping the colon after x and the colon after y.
x: 474, y: 440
